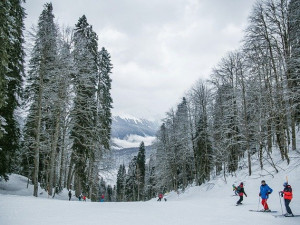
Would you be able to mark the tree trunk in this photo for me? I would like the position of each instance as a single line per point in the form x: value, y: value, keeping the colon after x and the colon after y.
x: 53, y: 152
x: 37, y: 143
x: 70, y: 174
x: 62, y: 161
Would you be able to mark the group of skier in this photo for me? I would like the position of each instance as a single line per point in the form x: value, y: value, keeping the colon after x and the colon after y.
x: 264, y: 193
x: 80, y: 197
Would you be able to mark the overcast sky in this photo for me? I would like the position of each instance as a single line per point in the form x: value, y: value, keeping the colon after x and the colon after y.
x: 159, y: 48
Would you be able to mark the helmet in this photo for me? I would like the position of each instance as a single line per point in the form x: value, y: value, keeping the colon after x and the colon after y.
x: 263, y: 181
x: 241, y: 183
x: 285, y: 184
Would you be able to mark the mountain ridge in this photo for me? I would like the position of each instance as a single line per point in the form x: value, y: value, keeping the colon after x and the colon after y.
x: 129, y: 131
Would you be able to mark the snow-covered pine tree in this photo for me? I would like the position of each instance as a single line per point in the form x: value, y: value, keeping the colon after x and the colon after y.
x: 110, y: 193
x: 104, y: 100
x: 84, y: 113
x: 11, y: 77
x: 183, y: 145
x: 131, y: 182
x: 121, y: 182
x: 42, y: 67
x: 140, y: 172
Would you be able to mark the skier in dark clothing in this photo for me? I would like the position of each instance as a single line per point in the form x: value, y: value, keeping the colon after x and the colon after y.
x: 287, y: 193
x: 70, y: 195
x: 240, y: 190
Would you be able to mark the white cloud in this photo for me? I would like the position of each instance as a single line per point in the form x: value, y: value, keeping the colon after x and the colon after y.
x: 133, y: 141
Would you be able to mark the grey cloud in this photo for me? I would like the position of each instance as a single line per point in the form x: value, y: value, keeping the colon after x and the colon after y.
x: 159, y: 48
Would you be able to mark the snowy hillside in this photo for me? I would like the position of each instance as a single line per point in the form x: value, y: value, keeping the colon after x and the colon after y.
x: 212, y: 204
x: 128, y: 131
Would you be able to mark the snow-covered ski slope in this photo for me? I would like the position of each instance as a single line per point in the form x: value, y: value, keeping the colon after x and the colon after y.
x: 209, y: 204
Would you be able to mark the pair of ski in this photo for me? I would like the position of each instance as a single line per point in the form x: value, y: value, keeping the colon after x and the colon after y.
x: 251, y: 210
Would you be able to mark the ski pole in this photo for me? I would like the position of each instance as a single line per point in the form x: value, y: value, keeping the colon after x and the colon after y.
x: 258, y: 203
x: 280, y: 202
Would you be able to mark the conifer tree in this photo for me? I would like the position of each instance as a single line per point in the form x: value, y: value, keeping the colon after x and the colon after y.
x: 140, y: 172
x: 41, y: 70
x: 11, y: 78
x: 121, y: 182
x: 131, y: 182
x: 83, y: 115
x: 104, y: 97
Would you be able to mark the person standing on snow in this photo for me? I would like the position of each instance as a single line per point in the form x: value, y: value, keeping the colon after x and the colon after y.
x: 265, y: 190
x: 102, y: 198
x: 234, y: 189
x: 240, y: 190
x: 160, y: 196
x: 287, y: 193
x: 70, y: 195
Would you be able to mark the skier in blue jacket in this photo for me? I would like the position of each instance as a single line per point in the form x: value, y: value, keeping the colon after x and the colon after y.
x: 265, y: 190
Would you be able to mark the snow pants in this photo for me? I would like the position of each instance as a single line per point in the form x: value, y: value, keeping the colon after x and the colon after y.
x: 240, y: 200
x: 287, y: 203
x: 264, y: 203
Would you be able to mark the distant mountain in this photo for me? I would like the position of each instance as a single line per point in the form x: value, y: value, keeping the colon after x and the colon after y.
x: 125, y: 126
x: 129, y: 132
x: 126, y: 135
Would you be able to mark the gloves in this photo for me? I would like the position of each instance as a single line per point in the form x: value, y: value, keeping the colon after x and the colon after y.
x: 246, y: 195
x: 259, y: 194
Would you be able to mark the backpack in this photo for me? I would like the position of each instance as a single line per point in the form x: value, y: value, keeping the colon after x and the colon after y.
x: 238, y: 189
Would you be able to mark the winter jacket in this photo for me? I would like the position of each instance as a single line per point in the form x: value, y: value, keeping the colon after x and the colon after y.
x: 241, y: 190
x: 265, y: 190
x: 288, y: 192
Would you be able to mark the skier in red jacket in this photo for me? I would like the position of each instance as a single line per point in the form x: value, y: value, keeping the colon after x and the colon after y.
x: 160, y: 196
x: 240, y: 190
x: 287, y: 194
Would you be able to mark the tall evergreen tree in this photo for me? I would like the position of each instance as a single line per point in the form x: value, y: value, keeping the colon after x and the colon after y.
x: 11, y: 78
x: 121, y: 182
x: 140, y: 172
x: 41, y: 70
x: 104, y: 98
x: 84, y: 132
x: 131, y: 181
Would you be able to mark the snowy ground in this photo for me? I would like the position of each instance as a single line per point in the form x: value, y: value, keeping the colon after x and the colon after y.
x: 211, y: 204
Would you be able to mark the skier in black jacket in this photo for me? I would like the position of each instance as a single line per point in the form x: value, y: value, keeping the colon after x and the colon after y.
x: 70, y: 195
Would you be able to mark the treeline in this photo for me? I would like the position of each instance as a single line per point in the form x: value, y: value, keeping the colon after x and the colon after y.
x: 249, y: 105
x: 131, y: 185
x: 67, y: 103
